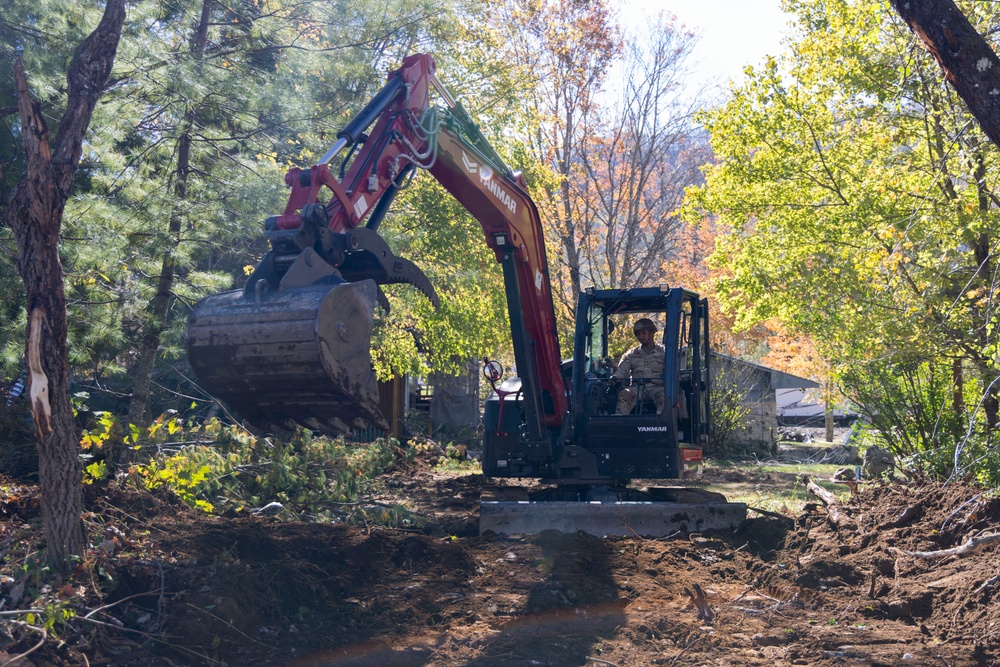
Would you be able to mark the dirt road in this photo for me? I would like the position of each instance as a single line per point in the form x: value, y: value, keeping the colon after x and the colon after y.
x: 198, y: 590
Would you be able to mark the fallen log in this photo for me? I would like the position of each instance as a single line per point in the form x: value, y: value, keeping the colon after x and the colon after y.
x: 970, y: 545
x: 833, y: 512
x: 821, y: 493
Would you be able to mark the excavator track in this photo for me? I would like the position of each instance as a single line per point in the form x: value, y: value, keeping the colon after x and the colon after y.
x: 297, y: 357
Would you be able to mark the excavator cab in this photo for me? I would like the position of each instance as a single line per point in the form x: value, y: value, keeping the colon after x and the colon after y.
x: 605, y: 444
x: 658, y: 434
x: 641, y: 425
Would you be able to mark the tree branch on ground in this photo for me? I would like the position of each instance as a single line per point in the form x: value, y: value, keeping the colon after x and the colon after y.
x: 970, y: 545
x: 833, y: 509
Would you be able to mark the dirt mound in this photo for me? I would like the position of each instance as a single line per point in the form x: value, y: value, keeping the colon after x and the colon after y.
x: 948, y: 598
x: 182, y: 587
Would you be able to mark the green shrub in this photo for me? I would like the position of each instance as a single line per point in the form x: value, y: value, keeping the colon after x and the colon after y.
x: 728, y: 401
x: 914, y: 412
x: 212, y: 466
x: 456, y: 459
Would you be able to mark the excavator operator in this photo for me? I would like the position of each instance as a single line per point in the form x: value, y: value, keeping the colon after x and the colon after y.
x: 644, y: 362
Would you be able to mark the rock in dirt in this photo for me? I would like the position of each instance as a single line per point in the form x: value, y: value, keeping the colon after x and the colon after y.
x: 898, y: 609
x: 770, y: 640
x: 877, y: 461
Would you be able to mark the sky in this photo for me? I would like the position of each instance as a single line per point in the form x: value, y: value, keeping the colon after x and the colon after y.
x: 733, y: 33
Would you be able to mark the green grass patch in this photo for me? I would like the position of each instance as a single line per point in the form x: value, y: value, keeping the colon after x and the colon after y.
x: 775, y: 487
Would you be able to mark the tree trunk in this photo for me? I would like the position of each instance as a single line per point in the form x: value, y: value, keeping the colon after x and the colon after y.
x: 968, y: 61
x: 828, y: 410
x: 828, y: 422
x: 35, y: 213
x: 958, y: 388
x: 35, y: 217
x: 569, y: 239
x: 991, y: 403
x: 160, y: 306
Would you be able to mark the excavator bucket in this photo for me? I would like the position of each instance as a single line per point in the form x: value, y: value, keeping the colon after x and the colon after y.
x: 293, y: 357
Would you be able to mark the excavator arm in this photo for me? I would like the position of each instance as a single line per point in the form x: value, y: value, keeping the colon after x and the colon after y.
x: 498, y: 199
x: 292, y: 347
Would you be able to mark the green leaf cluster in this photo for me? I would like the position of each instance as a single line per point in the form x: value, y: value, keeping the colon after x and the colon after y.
x: 860, y: 199
x: 432, y: 229
x: 219, y: 468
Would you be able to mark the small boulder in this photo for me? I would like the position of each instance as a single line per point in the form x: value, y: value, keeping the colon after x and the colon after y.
x: 845, y: 475
x: 769, y: 640
x: 899, y: 609
x: 877, y: 462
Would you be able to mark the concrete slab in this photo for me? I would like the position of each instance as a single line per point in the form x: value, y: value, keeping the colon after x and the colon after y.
x: 646, y: 519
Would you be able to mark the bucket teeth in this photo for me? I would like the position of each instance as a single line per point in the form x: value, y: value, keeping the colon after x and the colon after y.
x: 409, y: 273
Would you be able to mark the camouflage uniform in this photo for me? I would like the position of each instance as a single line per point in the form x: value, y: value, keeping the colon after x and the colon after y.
x: 641, y: 364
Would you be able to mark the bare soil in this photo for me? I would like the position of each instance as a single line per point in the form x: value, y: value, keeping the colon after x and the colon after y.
x: 173, y: 586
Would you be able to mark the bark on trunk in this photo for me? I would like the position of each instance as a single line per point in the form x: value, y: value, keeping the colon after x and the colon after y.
x: 35, y: 216
x: 568, y: 228
x: 968, y: 61
x: 829, y: 413
x: 958, y: 391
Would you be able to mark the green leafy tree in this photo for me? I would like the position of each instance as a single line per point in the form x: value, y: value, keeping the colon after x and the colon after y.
x: 173, y: 183
x: 860, y: 197
x: 447, y: 242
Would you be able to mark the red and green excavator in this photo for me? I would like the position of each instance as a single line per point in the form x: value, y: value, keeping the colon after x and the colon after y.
x: 293, y: 346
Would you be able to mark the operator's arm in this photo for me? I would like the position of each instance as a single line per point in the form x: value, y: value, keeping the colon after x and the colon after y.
x: 625, y: 366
